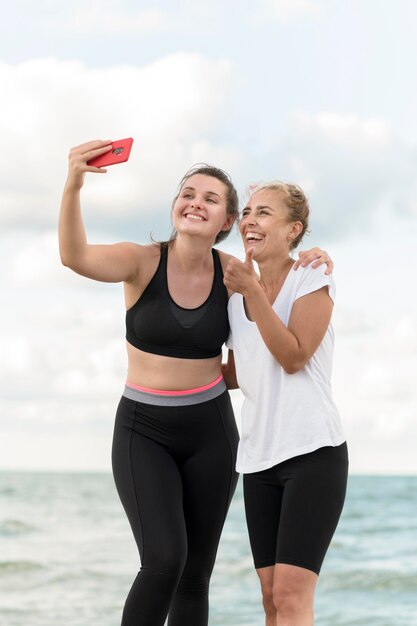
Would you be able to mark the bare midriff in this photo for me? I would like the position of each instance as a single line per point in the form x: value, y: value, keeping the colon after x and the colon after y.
x: 154, y: 371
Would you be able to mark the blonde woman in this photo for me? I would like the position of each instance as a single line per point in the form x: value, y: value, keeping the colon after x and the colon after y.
x: 292, y: 450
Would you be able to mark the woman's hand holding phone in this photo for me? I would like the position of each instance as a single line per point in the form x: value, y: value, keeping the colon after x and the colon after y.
x: 119, y: 153
x: 93, y: 156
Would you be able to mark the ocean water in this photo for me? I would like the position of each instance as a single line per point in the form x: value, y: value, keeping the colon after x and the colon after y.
x: 67, y: 556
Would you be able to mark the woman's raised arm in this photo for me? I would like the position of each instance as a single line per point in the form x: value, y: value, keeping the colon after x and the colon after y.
x: 108, y: 263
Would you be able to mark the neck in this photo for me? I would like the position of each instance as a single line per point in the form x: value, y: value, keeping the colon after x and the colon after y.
x: 191, y: 252
x: 274, y: 270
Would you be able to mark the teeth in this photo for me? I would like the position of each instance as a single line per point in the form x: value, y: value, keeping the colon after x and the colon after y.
x: 195, y: 217
x: 256, y: 236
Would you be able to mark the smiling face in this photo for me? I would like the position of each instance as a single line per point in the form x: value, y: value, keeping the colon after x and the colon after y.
x: 201, y: 207
x: 265, y: 225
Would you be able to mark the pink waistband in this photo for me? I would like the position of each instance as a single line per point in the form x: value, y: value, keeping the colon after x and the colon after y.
x: 182, y: 392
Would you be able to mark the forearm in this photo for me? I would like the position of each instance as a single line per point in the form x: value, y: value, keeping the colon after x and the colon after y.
x: 280, y: 341
x: 229, y: 371
x: 229, y: 378
x: 71, y: 231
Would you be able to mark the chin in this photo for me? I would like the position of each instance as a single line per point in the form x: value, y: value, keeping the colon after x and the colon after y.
x: 255, y: 249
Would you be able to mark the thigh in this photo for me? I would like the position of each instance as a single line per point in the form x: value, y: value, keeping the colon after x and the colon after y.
x: 313, y: 498
x: 209, y: 481
x: 150, y: 488
x: 263, y: 500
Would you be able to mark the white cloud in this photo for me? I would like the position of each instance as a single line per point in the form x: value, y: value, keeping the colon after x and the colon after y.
x: 169, y: 107
x: 347, y: 129
x: 373, y: 384
x: 35, y: 261
x: 39, y: 449
x: 376, y: 347
x: 355, y: 170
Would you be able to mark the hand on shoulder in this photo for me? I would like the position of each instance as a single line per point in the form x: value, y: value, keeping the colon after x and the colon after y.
x: 316, y: 257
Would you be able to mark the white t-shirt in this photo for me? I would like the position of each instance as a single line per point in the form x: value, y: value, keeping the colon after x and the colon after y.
x: 283, y: 415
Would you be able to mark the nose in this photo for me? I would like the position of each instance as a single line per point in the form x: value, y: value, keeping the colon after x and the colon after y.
x: 195, y: 203
x: 249, y: 218
x: 245, y: 223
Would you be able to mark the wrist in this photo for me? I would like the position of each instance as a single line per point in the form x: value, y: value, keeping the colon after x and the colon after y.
x: 252, y: 290
x: 74, y: 183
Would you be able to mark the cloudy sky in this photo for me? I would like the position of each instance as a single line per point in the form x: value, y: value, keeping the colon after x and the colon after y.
x: 320, y: 92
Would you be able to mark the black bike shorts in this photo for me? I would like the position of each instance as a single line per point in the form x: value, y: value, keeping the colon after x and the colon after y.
x: 293, y: 508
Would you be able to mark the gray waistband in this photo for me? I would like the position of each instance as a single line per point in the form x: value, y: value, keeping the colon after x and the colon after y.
x: 177, y: 400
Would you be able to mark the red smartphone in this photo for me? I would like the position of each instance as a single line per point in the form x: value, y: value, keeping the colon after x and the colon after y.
x: 118, y: 154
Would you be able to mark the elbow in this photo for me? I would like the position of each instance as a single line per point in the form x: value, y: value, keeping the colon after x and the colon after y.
x: 292, y: 368
x: 64, y: 259
x: 69, y: 259
x: 294, y: 364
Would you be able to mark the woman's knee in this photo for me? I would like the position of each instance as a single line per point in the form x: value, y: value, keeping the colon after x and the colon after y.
x: 293, y: 589
x: 165, y: 562
x: 267, y: 596
x: 196, y: 587
x: 285, y: 598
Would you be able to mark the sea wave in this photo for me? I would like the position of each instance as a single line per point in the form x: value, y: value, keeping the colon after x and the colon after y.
x: 58, y: 556
x: 14, y: 527
x: 19, y: 567
x: 373, y: 580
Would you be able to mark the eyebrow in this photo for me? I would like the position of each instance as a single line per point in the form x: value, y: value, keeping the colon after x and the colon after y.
x: 260, y: 206
x: 213, y: 193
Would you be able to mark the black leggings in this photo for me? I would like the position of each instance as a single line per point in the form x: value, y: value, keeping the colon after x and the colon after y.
x: 174, y: 471
x: 292, y: 509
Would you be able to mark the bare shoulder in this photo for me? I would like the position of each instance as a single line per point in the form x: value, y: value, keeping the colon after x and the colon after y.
x: 136, y: 252
x: 143, y: 256
x: 147, y: 259
x: 225, y: 257
x: 142, y: 251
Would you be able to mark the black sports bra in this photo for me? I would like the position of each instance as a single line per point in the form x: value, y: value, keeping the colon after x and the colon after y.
x: 156, y: 324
